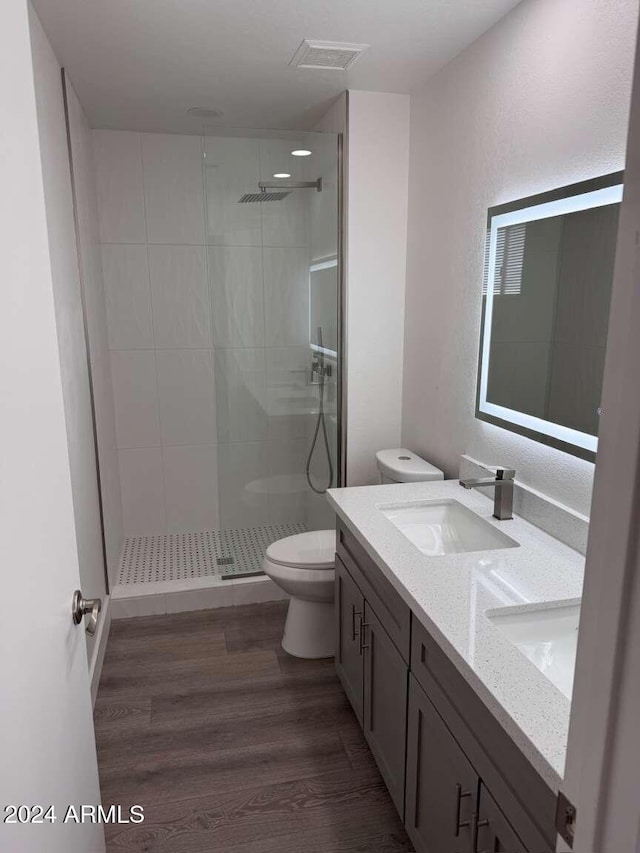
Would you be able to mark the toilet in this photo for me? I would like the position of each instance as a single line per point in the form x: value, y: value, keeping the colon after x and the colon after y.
x: 303, y: 566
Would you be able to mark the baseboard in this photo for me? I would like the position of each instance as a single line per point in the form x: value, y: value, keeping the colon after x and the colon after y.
x: 100, y: 647
x: 153, y: 599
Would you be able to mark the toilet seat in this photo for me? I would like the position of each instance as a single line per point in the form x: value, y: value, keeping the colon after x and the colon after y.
x: 315, y: 549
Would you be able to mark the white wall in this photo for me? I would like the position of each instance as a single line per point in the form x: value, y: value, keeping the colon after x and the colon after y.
x: 69, y: 319
x: 168, y: 203
x: 378, y: 169
x: 541, y: 100
x: 91, y: 274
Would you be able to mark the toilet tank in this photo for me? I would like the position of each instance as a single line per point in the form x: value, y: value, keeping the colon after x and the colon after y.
x: 400, y: 465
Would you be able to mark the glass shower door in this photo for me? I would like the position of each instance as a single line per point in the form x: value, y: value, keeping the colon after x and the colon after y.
x: 273, y: 271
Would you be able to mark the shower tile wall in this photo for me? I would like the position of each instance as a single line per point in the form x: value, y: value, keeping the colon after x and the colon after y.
x: 208, y: 314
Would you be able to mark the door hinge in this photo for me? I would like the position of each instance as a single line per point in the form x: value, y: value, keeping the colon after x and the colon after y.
x: 565, y: 819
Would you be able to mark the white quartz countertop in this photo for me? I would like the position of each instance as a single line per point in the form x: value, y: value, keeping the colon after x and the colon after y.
x: 450, y: 595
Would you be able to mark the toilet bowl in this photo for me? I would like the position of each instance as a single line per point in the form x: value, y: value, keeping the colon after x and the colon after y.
x: 303, y: 566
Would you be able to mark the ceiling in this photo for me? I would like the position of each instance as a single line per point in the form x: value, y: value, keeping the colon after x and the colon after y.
x: 140, y: 64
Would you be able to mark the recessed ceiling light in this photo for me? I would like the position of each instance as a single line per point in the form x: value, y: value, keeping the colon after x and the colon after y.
x: 282, y: 175
x: 301, y: 152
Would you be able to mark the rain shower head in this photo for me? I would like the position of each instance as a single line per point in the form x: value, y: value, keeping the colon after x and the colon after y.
x: 250, y: 198
x: 282, y: 190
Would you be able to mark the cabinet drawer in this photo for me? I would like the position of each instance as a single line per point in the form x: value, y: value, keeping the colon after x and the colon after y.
x: 494, y: 832
x: 524, y: 796
x: 390, y: 609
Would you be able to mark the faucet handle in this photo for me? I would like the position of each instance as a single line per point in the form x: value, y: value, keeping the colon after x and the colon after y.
x: 505, y: 474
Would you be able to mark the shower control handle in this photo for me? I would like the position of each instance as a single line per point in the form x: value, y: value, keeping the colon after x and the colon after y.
x: 81, y: 607
x: 321, y: 368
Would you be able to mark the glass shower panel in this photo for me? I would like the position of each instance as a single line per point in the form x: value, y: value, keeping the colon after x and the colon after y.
x: 273, y: 271
x: 324, y: 302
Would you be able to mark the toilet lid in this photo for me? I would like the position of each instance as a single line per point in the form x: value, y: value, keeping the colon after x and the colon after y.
x: 313, y: 550
x: 403, y: 466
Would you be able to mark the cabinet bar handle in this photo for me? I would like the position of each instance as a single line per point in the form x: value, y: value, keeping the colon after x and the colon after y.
x: 363, y: 645
x: 459, y: 795
x: 355, y: 613
x: 476, y: 824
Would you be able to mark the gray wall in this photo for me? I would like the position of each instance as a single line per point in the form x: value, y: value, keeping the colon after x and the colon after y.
x: 582, y: 317
x: 548, y: 339
x: 523, y: 325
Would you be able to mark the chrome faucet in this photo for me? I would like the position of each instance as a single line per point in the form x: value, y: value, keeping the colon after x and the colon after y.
x: 503, y: 495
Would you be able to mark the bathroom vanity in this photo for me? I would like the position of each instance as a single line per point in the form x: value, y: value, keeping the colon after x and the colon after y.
x: 456, y: 644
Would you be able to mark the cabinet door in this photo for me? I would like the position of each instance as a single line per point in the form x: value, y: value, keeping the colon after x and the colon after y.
x: 495, y: 833
x: 349, y: 606
x: 385, y: 704
x: 442, y: 786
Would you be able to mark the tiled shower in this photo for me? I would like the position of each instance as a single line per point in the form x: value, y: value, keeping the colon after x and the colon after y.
x: 212, y: 314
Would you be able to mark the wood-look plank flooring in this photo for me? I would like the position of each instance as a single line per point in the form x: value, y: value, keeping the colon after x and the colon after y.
x: 232, y: 746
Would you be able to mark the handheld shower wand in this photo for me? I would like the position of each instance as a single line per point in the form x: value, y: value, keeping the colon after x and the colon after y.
x: 319, y: 368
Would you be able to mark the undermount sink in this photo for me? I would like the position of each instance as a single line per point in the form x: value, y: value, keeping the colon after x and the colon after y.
x: 445, y: 527
x: 547, y: 636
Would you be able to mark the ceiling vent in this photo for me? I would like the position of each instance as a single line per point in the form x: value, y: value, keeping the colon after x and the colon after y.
x: 204, y: 112
x: 328, y: 55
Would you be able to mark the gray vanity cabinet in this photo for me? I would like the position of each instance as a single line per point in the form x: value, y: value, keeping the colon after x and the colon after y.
x: 385, y: 704
x: 442, y: 785
x: 349, y: 616
x: 524, y: 819
x: 458, y: 780
x: 372, y: 658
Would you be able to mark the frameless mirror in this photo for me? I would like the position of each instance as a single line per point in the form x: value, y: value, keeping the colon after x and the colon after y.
x: 546, y: 292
